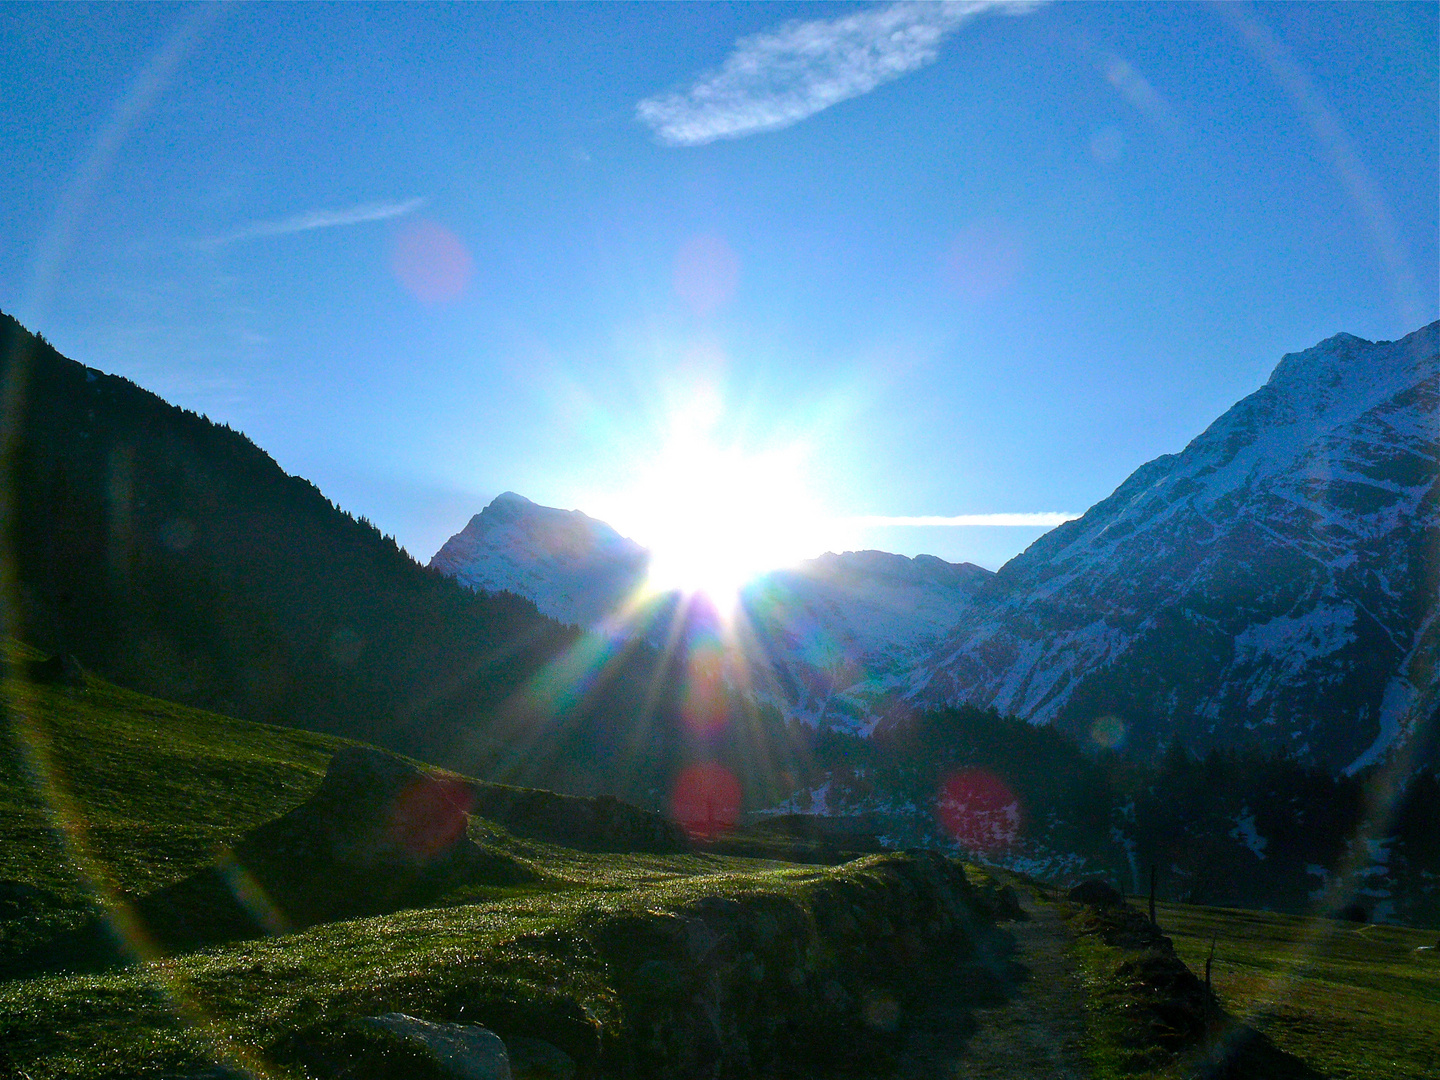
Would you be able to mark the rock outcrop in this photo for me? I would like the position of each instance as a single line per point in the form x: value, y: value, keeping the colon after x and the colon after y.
x: 773, y: 984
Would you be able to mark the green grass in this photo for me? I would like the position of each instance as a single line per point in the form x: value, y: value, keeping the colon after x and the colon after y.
x: 1350, y: 1002
x: 112, y: 790
x: 108, y: 793
x: 143, y: 793
x: 522, y: 949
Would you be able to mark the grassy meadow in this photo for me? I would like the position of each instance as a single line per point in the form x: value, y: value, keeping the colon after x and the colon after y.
x: 1350, y: 1001
x: 107, y: 794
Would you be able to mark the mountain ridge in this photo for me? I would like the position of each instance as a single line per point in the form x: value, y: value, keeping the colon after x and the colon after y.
x: 1313, y: 499
x: 1284, y: 555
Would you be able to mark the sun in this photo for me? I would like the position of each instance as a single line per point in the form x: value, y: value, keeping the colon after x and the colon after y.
x: 715, y: 514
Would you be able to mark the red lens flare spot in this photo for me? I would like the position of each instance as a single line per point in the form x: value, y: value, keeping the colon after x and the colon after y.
x: 706, y: 273
x: 430, y: 262
x: 984, y: 261
x: 706, y: 799
x: 430, y: 815
x: 978, y: 809
x: 705, y: 706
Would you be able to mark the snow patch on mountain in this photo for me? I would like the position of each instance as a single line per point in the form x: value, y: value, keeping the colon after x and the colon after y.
x: 1246, y: 833
x: 574, y: 568
x: 1273, y: 576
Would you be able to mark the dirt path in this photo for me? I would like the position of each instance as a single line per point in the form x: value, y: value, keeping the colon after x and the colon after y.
x: 1014, y: 1010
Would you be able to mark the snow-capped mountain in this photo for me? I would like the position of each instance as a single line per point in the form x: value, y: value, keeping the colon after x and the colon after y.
x: 574, y: 568
x: 1275, y: 583
x: 823, y: 638
x: 840, y: 632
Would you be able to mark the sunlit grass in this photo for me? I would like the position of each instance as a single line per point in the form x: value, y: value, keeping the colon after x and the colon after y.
x: 153, y: 790
x: 1349, y: 1001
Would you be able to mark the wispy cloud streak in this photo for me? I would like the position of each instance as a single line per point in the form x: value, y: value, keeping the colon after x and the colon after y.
x: 778, y: 78
x: 1040, y: 520
x: 320, y: 219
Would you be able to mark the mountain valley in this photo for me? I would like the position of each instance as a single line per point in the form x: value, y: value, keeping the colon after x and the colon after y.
x: 1274, y: 587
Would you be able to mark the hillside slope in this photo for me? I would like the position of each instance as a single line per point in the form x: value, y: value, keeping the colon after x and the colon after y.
x: 174, y: 556
x: 1274, y: 584
x: 626, y: 963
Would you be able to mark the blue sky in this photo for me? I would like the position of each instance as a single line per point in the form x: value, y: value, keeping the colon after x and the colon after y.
x: 968, y: 261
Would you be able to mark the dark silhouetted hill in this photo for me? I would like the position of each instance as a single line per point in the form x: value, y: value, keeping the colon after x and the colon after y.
x: 170, y: 554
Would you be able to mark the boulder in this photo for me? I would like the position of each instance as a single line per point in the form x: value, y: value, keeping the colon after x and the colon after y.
x: 378, y: 835
x: 454, y: 1051
x: 1096, y: 893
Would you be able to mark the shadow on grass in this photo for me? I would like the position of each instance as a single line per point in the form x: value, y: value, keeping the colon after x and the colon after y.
x: 1240, y: 1052
x: 939, y: 1034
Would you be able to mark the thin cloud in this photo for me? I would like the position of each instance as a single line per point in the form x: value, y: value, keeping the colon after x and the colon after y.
x: 321, y: 219
x: 777, y: 78
x: 1137, y: 90
x: 1040, y: 520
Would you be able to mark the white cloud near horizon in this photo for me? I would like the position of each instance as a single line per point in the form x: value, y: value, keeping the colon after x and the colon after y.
x: 321, y: 219
x: 1039, y: 520
x: 779, y: 77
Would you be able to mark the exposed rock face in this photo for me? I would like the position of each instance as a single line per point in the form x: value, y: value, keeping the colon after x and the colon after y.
x: 1276, y: 583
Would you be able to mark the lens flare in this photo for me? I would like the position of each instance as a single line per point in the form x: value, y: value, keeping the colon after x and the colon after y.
x: 979, y: 810
x: 430, y: 815
x: 706, y: 799
x: 1108, y: 732
x: 431, y: 263
x: 705, y: 708
x: 706, y: 273
x: 984, y: 261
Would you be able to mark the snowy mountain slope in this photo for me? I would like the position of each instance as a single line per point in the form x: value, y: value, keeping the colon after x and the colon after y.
x: 1276, y: 582
x: 820, y: 636
x: 840, y: 631
x: 1273, y: 584
x: 574, y: 568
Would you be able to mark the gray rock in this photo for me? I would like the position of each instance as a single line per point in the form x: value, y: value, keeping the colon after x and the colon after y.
x: 1095, y: 892
x: 461, y: 1051
x: 536, y: 1059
